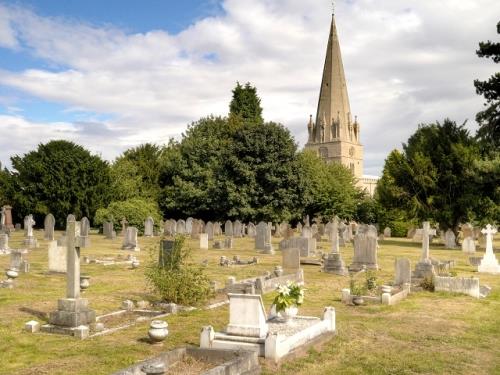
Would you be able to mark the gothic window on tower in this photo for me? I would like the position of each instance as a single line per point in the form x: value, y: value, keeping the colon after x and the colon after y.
x: 323, y: 152
x: 351, y: 167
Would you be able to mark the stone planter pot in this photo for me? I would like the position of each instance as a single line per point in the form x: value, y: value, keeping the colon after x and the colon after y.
x: 158, y: 331
x: 289, y: 313
x: 135, y: 264
x: 358, y: 300
x: 12, y: 273
x: 84, y: 282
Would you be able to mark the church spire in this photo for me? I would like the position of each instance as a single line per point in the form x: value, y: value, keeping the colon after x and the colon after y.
x: 333, y: 98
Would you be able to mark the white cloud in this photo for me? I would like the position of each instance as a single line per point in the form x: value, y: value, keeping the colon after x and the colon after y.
x: 405, y: 64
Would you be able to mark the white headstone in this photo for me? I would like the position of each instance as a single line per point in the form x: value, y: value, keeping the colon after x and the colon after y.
x: 204, y: 241
x: 57, y: 257
x: 247, y: 316
x: 468, y: 245
x: 489, y: 263
x: 149, y: 224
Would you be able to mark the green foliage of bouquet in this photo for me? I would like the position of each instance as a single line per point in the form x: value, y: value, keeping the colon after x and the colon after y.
x: 288, y: 295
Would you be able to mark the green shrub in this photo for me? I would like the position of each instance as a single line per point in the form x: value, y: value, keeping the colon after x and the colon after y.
x: 399, y: 228
x: 371, y: 280
x: 427, y: 284
x: 136, y: 210
x: 175, y: 280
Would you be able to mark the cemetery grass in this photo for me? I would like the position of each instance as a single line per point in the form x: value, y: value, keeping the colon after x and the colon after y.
x: 427, y: 333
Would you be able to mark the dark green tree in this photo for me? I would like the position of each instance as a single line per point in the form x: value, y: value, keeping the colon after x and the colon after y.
x: 246, y: 104
x: 6, y: 190
x: 489, y: 118
x: 60, y: 177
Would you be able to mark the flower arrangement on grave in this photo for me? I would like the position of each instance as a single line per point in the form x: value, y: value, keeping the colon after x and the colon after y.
x: 289, y: 295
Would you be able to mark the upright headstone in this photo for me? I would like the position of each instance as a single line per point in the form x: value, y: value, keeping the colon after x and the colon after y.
x: 228, y: 228
x: 29, y: 237
x: 48, y: 226
x: 299, y: 227
x: 334, y: 235
x: 203, y: 241
x: 449, y: 239
x: 195, y: 229
x: 149, y: 227
x: 108, y: 230
x: 57, y: 257
x: 260, y: 236
x: 2, y: 220
x: 489, y: 263
x: 402, y: 271
x: 307, y: 246
x: 217, y: 229
x: 468, y: 245
x: 424, y: 267
x: 4, y: 243
x: 334, y: 263
x: 387, y: 232
x: 180, y: 228
x: 130, y: 240
x: 290, y: 259
x: 237, y: 229
x: 73, y: 311
x: 306, y: 231
x: 209, y: 229
x: 166, y: 247
x: 251, y: 230
x: 7, y: 211
x: 189, y: 225
x: 365, y: 249
x: 84, y: 233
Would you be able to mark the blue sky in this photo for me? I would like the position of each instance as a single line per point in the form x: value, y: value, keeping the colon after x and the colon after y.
x: 113, y: 74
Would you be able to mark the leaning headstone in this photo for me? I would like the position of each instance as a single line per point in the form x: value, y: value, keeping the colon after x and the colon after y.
x: 290, y: 259
x: 48, y: 226
x: 449, y: 239
x: 57, y: 257
x: 228, y: 228
x: 130, y: 240
x: 387, y: 232
x: 468, y: 245
x: 365, y: 249
x: 402, y: 271
x: 149, y: 225
x: 417, y: 236
x: 29, y: 238
x: 84, y: 233
x: 203, y: 241
x: 489, y: 263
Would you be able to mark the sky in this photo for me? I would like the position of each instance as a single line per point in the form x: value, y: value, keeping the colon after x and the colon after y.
x: 113, y: 74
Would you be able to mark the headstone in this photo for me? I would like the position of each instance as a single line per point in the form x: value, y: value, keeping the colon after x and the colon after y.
x: 209, y: 229
x: 247, y: 316
x: 228, y: 228
x: 468, y: 245
x: 180, y: 228
x: 417, y: 236
x: 387, y: 232
x: 334, y: 235
x: 189, y: 225
x: 84, y: 233
x: 16, y: 259
x: 124, y: 224
x: 149, y: 225
x: 449, y: 239
x: 365, y: 249
x: 228, y: 243
x: 251, y: 230
x: 290, y: 259
x: 57, y: 257
x: 29, y: 238
x: 108, y: 230
x: 4, y: 243
x: 260, y: 237
x: 130, y: 240
x: 195, y: 229
x: 217, y: 229
x: 306, y: 231
x: 203, y: 241
x: 237, y: 229
x: 402, y: 271
x: 424, y: 267
x: 334, y: 262
x: 489, y: 263
x: 7, y: 213
x: 299, y: 227
x: 467, y: 231
x: 307, y: 246
x: 48, y: 226
x: 166, y: 247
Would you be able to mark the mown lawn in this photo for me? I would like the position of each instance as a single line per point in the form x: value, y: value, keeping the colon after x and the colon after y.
x: 429, y: 333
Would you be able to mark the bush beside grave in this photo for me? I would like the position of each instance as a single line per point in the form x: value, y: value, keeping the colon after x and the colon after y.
x: 136, y: 210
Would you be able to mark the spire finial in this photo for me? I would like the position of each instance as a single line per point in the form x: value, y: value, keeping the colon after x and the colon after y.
x: 333, y: 7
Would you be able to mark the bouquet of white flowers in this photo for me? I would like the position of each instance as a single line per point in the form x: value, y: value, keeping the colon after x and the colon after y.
x: 289, y: 295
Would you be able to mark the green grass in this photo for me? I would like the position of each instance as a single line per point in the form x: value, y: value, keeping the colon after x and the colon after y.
x: 428, y: 333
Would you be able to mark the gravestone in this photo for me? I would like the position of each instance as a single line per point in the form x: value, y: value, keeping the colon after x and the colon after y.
x: 228, y: 243
x: 73, y: 312
x: 290, y: 260
x: 124, y: 224
x: 417, y: 236
x: 424, y: 268
x: 365, y: 249
x: 306, y: 231
x: 299, y: 227
x: 260, y: 236
x: 7, y: 213
x: 489, y: 263
x: 334, y: 262
x: 237, y: 229
x: 108, y: 230
x: 307, y: 246
x: 189, y: 225
x: 195, y: 229
x: 228, y: 228
x: 149, y: 225
x: 29, y: 237
x: 130, y: 240
x: 180, y: 228
x: 170, y: 228
x: 48, y: 226
x: 203, y: 241
x: 247, y: 316
x: 217, y: 229
x: 166, y: 247
x: 4, y: 243
x: 84, y: 233
x: 251, y: 230
x: 402, y: 271
x: 57, y: 257
x: 387, y: 232
x: 334, y: 235
x: 449, y: 239
x: 468, y: 245
x: 209, y: 229
x: 467, y: 231
x: 16, y: 260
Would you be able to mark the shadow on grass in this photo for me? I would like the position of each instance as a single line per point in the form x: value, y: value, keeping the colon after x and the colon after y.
x: 39, y: 314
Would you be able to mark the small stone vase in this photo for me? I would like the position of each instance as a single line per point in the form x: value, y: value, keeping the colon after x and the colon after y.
x: 135, y: 264
x: 12, y: 273
x: 84, y: 282
x: 358, y: 300
x: 289, y: 313
x: 158, y: 331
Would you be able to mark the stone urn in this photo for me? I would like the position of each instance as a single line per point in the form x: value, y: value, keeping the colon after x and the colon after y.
x: 12, y: 273
x: 358, y: 300
x: 84, y: 282
x: 289, y: 313
x: 158, y: 331
x: 386, y: 289
x: 135, y: 263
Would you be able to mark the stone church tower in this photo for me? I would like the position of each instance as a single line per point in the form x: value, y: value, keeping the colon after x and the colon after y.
x: 335, y: 135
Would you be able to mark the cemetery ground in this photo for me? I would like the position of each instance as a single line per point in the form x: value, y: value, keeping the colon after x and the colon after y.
x: 427, y: 333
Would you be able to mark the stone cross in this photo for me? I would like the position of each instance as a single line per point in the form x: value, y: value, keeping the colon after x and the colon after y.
x: 28, y: 225
x: 489, y: 231
x: 335, y: 235
x: 124, y: 224
x: 72, y: 259
x: 425, y: 241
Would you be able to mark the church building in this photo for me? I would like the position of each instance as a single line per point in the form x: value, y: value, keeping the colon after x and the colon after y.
x: 334, y: 134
